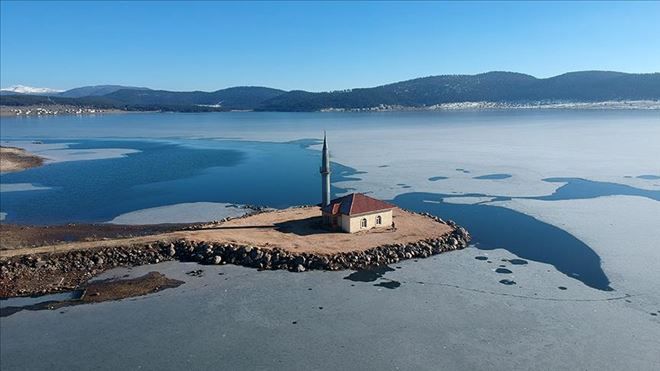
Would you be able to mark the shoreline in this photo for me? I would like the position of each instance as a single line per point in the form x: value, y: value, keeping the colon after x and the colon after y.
x: 14, y: 159
x: 641, y: 105
x: 634, y: 105
x: 57, y: 110
x: 45, y: 270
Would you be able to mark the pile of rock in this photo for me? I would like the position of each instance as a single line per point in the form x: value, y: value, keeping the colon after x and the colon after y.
x: 275, y: 258
x: 76, y: 266
x: 46, y: 273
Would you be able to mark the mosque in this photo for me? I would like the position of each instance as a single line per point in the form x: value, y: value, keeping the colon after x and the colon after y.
x: 354, y: 212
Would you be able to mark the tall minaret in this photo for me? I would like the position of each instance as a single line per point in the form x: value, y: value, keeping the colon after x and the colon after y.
x: 325, y: 174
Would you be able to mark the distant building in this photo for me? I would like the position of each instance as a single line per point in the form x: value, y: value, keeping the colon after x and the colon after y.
x: 354, y: 212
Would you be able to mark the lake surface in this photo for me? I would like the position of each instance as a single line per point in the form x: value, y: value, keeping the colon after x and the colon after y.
x: 522, y: 182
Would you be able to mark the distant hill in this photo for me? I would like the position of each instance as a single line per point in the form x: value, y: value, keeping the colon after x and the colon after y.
x: 94, y: 91
x: 588, y: 86
x: 142, y: 99
x: 237, y: 98
x: 495, y: 87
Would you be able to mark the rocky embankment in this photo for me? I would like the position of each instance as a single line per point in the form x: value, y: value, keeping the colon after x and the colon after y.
x: 46, y: 273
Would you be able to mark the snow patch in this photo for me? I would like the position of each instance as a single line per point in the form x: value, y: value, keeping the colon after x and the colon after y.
x: 22, y: 89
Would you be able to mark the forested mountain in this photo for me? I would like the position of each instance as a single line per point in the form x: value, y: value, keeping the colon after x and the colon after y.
x: 487, y: 87
x: 94, y: 91
x: 238, y: 98
x: 496, y: 87
x: 142, y: 99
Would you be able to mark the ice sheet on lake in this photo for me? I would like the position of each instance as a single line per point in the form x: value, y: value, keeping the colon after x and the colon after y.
x: 181, y: 213
x: 451, y: 306
x: 623, y: 230
x: 466, y: 200
x: 60, y: 152
x: 20, y: 187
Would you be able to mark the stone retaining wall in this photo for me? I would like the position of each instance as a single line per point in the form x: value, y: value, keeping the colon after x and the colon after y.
x: 87, y: 263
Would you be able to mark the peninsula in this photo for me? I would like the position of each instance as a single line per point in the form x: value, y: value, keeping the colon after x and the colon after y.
x: 16, y: 159
x: 350, y: 232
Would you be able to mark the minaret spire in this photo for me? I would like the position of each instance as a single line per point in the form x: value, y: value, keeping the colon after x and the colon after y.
x: 325, y: 173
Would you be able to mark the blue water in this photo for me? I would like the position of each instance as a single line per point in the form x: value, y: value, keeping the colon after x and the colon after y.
x: 577, y: 188
x: 271, y: 174
x: 166, y: 173
x: 493, y: 176
x: 495, y: 227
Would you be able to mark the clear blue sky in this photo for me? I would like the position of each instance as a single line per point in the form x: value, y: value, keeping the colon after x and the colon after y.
x: 315, y: 46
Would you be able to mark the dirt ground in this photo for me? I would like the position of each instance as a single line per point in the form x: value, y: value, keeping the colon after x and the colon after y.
x: 106, y: 290
x: 14, y: 236
x: 16, y: 159
x: 99, y: 291
x: 299, y: 230
x: 294, y: 229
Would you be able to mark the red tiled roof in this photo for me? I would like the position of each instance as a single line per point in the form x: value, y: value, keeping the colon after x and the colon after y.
x: 356, y: 203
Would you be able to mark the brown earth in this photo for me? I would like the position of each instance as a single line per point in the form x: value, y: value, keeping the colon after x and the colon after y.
x: 295, y: 230
x: 14, y: 236
x: 107, y: 290
x: 299, y: 230
x: 16, y: 159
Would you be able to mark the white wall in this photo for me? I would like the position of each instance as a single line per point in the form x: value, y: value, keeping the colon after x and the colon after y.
x: 352, y: 224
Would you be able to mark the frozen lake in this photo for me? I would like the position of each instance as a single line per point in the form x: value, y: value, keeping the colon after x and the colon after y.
x: 564, y: 207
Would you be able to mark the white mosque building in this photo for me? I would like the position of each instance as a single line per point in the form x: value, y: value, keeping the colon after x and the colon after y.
x: 354, y: 212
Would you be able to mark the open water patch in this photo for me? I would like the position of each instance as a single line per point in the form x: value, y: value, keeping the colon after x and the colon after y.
x: 578, y: 188
x: 573, y: 189
x: 389, y: 284
x: 494, y: 227
x: 158, y: 173
x: 26, y: 301
x: 516, y: 261
x: 369, y: 274
x: 94, y: 291
x: 493, y: 176
x: 436, y: 178
x: 649, y: 177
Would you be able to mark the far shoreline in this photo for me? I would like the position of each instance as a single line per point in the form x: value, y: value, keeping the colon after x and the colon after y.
x: 49, y: 111
x: 481, y: 106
